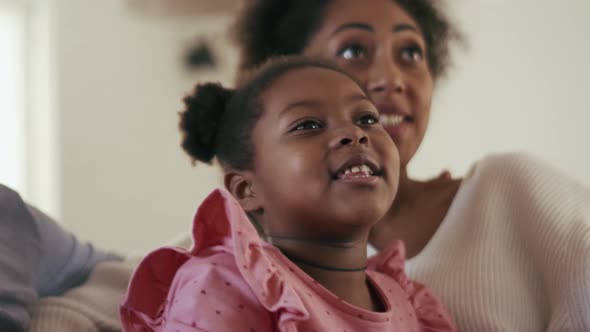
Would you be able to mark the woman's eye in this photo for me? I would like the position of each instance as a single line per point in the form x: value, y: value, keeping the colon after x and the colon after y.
x: 308, y: 125
x: 412, y: 54
x: 368, y: 119
x: 352, y: 52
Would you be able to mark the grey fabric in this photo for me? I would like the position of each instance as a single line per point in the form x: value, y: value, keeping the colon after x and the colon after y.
x: 9, y: 324
x: 20, y: 251
x: 65, y: 262
x: 37, y: 258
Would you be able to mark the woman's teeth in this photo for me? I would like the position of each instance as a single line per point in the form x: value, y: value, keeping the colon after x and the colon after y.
x: 391, y: 119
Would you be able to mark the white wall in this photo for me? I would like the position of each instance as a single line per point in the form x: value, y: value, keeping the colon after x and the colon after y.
x: 126, y: 184
x: 28, y: 143
x: 523, y: 85
x: 12, y: 94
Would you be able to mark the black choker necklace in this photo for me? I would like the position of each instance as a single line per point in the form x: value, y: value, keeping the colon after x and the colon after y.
x: 323, y: 267
x: 343, y: 245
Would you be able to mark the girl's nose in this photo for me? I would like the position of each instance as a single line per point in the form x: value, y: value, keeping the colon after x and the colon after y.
x: 351, y: 135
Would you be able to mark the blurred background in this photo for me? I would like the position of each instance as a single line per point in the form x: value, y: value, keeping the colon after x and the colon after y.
x: 90, y: 90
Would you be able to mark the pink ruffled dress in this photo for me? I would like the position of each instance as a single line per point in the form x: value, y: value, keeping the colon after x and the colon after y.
x: 233, y: 281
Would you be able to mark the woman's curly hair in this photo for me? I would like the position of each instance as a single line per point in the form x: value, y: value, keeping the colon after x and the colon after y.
x: 267, y: 28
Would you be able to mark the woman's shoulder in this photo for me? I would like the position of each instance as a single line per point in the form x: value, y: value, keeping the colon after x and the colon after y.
x: 513, y: 162
x: 516, y: 169
x: 523, y: 180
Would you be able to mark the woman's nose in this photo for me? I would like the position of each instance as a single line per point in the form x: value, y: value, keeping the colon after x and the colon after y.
x: 385, y: 76
x: 351, y: 135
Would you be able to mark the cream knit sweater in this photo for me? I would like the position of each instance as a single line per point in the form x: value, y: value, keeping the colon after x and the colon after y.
x: 513, y: 252
x: 91, y: 307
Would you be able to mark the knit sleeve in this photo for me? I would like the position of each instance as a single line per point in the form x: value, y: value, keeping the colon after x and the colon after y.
x: 566, y: 266
x: 572, y: 300
x: 554, y: 223
x: 559, y: 213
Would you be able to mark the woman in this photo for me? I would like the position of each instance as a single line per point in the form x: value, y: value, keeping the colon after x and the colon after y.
x: 506, y: 247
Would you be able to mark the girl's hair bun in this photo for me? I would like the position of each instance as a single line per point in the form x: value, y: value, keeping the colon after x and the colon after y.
x: 199, y: 121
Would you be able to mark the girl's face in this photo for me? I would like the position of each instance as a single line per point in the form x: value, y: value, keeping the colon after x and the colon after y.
x: 323, y: 164
x: 380, y: 44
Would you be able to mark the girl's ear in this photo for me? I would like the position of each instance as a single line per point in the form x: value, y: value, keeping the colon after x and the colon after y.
x: 241, y: 186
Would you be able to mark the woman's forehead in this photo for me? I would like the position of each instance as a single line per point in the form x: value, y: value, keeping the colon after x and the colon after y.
x: 367, y: 14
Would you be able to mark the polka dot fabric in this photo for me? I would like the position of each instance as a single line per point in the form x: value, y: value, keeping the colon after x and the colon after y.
x: 232, y: 281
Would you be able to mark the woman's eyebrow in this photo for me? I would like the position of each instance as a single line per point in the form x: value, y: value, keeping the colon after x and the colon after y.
x: 353, y: 25
x: 404, y: 27
x: 367, y: 27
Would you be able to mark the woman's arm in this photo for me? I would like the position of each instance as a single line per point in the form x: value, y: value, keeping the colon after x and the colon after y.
x: 554, y: 224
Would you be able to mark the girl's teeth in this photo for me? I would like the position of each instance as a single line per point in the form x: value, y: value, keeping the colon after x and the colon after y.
x: 357, y: 169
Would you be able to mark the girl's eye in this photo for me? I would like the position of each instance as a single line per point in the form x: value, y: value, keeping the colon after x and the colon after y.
x: 353, y: 52
x: 308, y: 125
x: 368, y: 119
x: 412, y: 54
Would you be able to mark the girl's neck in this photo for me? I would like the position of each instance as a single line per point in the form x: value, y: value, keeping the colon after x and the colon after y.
x: 333, y: 258
x: 339, y: 267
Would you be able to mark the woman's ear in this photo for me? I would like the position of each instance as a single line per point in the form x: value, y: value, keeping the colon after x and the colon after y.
x: 241, y: 186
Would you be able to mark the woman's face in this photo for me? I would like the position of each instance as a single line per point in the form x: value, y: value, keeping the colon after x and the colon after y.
x: 380, y: 44
x: 324, y: 167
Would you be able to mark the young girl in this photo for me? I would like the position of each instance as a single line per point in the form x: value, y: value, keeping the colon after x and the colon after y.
x: 307, y: 162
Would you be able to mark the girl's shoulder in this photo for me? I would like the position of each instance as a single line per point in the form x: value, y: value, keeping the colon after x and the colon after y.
x: 170, y: 285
